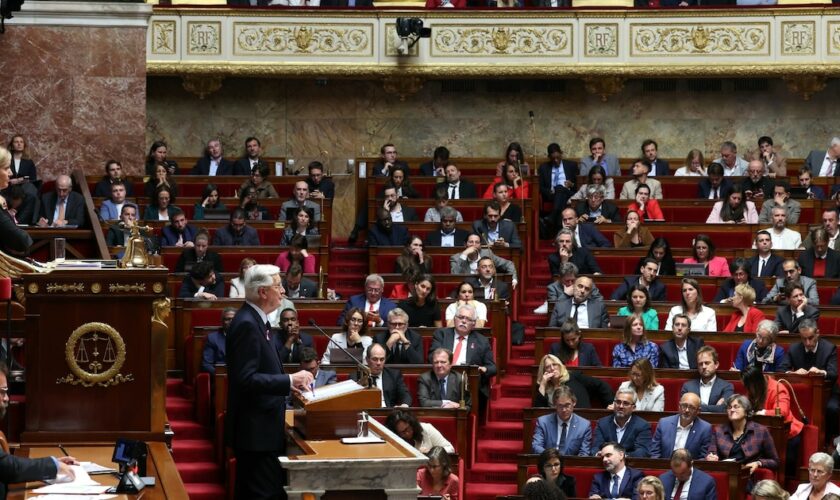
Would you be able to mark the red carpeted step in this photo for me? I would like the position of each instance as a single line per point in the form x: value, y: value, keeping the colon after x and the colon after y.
x: 179, y: 408
x: 192, y: 450
x: 189, y: 429
x: 489, y: 491
x: 484, y: 472
x: 502, y: 431
x: 520, y: 366
x: 199, y: 472
x: 509, y: 409
x: 205, y: 491
x: 174, y: 387
x: 524, y: 351
x: 498, y: 451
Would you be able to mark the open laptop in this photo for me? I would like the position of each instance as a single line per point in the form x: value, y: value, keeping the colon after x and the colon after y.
x: 216, y: 214
x: 338, y: 357
x: 684, y: 269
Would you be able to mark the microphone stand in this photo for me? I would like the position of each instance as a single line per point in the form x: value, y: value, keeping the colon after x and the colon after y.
x: 533, y: 136
x: 364, y: 371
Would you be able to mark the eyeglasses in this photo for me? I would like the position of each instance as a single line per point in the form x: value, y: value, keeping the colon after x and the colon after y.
x: 461, y: 317
x: 397, y: 324
x: 373, y: 289
x: 684, y: 406
x: 619, y: 402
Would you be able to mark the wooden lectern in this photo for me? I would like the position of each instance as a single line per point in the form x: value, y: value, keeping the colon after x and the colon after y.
x: 334, y: 417
x: 95, y: 355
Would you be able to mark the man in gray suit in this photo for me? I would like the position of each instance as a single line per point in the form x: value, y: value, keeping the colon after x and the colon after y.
x: 298, y: 287
x: 824, y: 163
x: 441, y: 387
x: 792, y: 272
x: 569, y: 433
x: 587, y: 311
x: 466, y: 262
x: 494, y: 230
x: 310, y: 362
x: 599, y: 156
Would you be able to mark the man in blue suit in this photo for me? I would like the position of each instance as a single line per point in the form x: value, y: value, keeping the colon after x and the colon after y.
x: 617, y: 480
x: 631, y: 432
x: 257, y: 389
x: 375, y: 306
x: 658, y: 166
x: 212, y: 163
x: 179, y: 232
x: 310, y: 362
x: 683, y: 476
x: 684, y: 430
x: 214, y: 346
x: 586, y: 235
x: 714, y: 389
x: 570, y: 434
x: 646, y: 278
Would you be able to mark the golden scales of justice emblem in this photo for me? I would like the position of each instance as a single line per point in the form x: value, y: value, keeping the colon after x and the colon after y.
x: 95, y: 353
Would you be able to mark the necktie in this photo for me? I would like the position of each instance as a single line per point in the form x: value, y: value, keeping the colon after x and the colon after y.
x: 715, y: 194
x: 442, y: 388
x: 561, y: 444
x: 371, y: 309
x: 760, y: 266
x: 680, y: 485
x: 833, y: 168
x: 452, y: 191
x: 267, y: 330
x: 614, y: 490
x: 61, y: 206
x: 575, y: 312
x: 458, y: 348
x: 555, y: 176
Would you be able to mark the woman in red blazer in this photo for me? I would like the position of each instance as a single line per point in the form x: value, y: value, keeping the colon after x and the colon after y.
x: 746, y: 317
x: 648, y: 208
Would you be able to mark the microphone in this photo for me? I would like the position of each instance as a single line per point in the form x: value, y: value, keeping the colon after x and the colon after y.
x: 534, y: 139
x: 364, y: 371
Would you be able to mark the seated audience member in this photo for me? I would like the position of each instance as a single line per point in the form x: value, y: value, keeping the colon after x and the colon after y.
x: 756, y: 186
x: 571, y: 350
x: 761, y: 351
x: 298, y: 252
x: 301, y: 224
x: 634, y: 235
x: 449, y: 235
x: 769, y: 397
x: 249, y: 202
x: 389, y: 381
x: 767, y: 489
x: 413, y: 259
x: 514, y: 155
x: 585, y: 235
x: 765, y: 263
x: 22, y: 206
x: 236, y: 284
x: 456, y: 187
x: 309, y: 362
x: 820, y: 467
x: 199, y: 253
x: 734, y: 210
x: 562, y: 287
x: 259, y: 183
x: 298, y: 287
x: 599, y: 157
x: 422, y: 306
x: 649, y: 394
x: 300, y: 199
x: 823, y: 163
x: 213, y: 163
x: 399, y: 212
x: 634, y: 345
x: 597, y: 177
x: 421, y: 435
x: 830, y: 224
x: 290, y: 341
x: 658, y: 167
x: 161, y: 207
x: 161, y: 179
x: 640, y: 170
x: 387, y: 160
x: 486, y: 283
x: 820, y: 261
x: 113, y: 174
x: 320, y: 187
x: 781, y: 199
x: 685, y: 479
x: 551, y: 479
x: 812, y: 192
x: 111, y: 208
x: 789, y: 317
x: 740, y: 275
x: 753, y: 447
x: 434, y: 214
x: 210, y: 200
x: 405, y: 289
x: 552, y: 374
x: 466, y: 296
x: 237, y: 232
x: 733, y: 165
x: 715, y: 389
x: 403, y: 346
x: 703, y: 318
x: 354, y: 334
x: 385, y: 232
x: 62, y: 207
x: 651, y: 486
x: 435, y: 167
x: 595, y: 209
x: 178, y: 233
x: 792, y: 273
x: 703, y: 252
x: 685, y: 431
x: 117, y: 236
x: 585, y: 310
x: 648, y: 209
x: 746, y: 317
x: 568, y: 251
x: 517, y: 187
x: 494, y: 230
x: 214, y: 345
x: 375, y: 308
x: 510, y: 211
x: 568, y: 433
x: 694, y: 165
x: 715, y: 186
x: 157, y: 154
x: 775, y: 165
x: 660, y: 251
x: 441, y: 387
x: 647, y: 279
x: 557, y: 178
x: 638, y: 302
x: 680, y: 351
x: 202, y: 283
x: 617, y: 480
x: 437, y: 478
x: 251, y: 158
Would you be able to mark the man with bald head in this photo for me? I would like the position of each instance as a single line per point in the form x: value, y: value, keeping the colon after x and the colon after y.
x: 63, y: 207
x: 389, y: 381
x: 683, y: 430
x: 756, y: 186
x: 300, y: 199
x: 587, y: 311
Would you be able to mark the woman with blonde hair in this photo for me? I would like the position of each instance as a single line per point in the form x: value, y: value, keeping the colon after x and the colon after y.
x: 693, y: 165
x: 236, y: 288
x: 767, y: 489
x: 552, y: 373
x: 650, y: 488
x: 746, y: 316
x: 649, y: 394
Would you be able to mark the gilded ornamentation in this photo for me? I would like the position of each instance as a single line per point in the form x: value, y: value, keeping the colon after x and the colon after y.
x: 65, y: 287
x: 493, y: 40
x: 807, y: 85
x: 160, y: 310
x: 601, y: 40
x: 202, y: 85
x: 392, y: 41
x: 95, y: 353
x: 204, y: 38
x: 163, y: 37
x: 95, y: 287
x: 798, y: 38
x: 12, y: 267
x: 157, y: 287
x: 32, y: 288
x: 604, y: 86
x: 702, y: 40
x: 119, y: 287
x: 303, y: 39
x: 403, y: 86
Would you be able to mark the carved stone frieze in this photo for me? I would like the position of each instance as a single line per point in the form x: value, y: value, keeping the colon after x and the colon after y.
x: 204, y: 38
x: 718, y: 39
x: 303, y: 39
x: 601, y: 40
x: 163, y: 38
x: 798, y: 38
x: 833, y: 33
x: 493, y: 40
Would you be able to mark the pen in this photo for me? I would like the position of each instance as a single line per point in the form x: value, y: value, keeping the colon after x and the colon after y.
x: 312, y: 387
x: 61, y: 447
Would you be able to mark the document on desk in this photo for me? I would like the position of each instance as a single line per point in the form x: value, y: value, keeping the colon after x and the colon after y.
x: 81, y: 485
x: 60, y: 496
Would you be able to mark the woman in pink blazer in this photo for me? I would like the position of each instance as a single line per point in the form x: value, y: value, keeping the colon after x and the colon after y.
x: 704, y: 253
x: 735, y: 211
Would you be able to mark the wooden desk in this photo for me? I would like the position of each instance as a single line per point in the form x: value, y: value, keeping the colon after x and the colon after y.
x: 159, y: 465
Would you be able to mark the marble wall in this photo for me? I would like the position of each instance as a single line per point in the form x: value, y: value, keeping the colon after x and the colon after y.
x: 77, y: 93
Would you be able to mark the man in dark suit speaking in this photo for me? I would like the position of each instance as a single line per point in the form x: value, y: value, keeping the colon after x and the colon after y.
x: 257, y: 390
